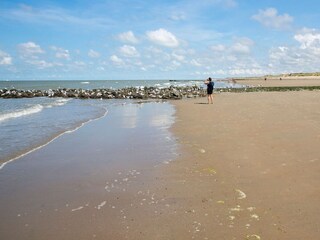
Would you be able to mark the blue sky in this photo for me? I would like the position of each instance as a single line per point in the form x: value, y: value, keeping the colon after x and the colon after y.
x: 190, y: 39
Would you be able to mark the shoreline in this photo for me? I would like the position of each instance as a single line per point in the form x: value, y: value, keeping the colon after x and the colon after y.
x: 284, y: 82
x: 246, y: 168
x: 172, y: 92
x: 4, y: 162
x: 71, y: 187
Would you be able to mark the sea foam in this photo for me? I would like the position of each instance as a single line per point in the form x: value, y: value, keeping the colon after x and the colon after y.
x: 23, y: 112
x: 59, y: 102
x: 38, y: 147
x: 31, y: 110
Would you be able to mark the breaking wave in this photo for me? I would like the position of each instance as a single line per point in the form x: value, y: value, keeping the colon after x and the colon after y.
x: 23, y: 112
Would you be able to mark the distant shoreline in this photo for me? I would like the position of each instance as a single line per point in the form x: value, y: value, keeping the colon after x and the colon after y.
x: 311, y: 81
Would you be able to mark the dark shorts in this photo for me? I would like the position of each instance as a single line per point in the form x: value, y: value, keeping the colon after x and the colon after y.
x: 209, y: 90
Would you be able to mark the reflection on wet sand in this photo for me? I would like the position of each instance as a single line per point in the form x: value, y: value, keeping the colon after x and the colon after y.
x: 92, y: 183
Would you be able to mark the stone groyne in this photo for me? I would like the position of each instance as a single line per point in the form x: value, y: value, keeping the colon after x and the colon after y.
x: 171, y: 92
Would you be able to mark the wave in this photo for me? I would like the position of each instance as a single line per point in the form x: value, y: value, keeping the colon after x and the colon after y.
x: 85, y: 82
x: 2, y: 165
x: 31, y: 110
x: 59, y: 102
x: 19, y: 113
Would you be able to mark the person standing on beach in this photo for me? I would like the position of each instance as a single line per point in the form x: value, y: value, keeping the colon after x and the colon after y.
x: 209, y: 84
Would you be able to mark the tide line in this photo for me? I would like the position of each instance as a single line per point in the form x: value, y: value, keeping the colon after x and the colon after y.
x: 41, y: 146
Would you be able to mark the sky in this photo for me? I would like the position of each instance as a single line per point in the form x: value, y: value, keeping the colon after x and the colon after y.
x: 157, y: 39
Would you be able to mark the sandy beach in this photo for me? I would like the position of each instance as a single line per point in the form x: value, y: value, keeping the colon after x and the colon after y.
x: 248, y: 168
x: 284, y: 82
x: 106, y: 132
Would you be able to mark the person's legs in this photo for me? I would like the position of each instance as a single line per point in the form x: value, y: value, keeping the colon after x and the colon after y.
x: 210, y: 98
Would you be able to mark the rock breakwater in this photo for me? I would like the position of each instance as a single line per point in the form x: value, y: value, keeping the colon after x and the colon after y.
x: 171, y: 92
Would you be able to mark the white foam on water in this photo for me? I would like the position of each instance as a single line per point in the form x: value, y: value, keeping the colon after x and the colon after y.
x: 20, y: 113
x: 41, y: 146
x: 32, y: 110
x: 59, y: 102
x: 85, y: 82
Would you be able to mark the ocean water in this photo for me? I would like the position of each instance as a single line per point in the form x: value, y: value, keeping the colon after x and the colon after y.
x: 113, y: 84
x: 28, y: 124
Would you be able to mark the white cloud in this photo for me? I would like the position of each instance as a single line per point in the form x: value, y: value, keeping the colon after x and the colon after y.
x: 116, y: 60
x: 163, y: 37
x: 221, y: 72
x: 301, y: 58
x: 176, y: 63
x: 54, y: 16
x: 61, y: 53
x: 93, y: 54
x: 218, y: 48
x: 178, y: 57
x: 79, y: 64
x: 308, y: 38
x: 157, y: 56
x: 64, y: 54
x: 239, y: 48
x: 129, y: 51
x: 236, y: 58
x: 270, y: 18
x: 154, y: 50
x: 5, y: 58
x: 195, y: 63
x: 307, y: 54
x: 178, y: 16
x: 247, y: 71
x: 128, y: 37
x: 29, y: 49
x: 41, y: 64
x: 242, y: 46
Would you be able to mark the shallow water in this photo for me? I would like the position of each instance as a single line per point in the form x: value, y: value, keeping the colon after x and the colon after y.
x: 28, y: 123
x: 71, y: 187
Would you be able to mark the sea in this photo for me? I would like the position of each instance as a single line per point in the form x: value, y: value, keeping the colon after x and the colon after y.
x: 28, y: 124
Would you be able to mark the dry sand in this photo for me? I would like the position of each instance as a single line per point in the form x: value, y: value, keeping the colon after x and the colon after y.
x: 284, y: 82
x: 249, y: 169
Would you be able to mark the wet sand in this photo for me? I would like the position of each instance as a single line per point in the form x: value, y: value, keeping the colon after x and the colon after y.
x: 284, y: 82
x: 85, y: 184
x: 248, y: 168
